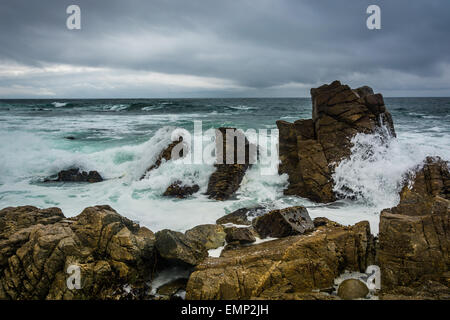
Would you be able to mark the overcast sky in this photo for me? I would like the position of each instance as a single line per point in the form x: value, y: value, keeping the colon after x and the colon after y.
x: 227, y: 48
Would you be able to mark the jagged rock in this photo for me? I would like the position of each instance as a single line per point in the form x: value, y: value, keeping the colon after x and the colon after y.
x: 177, y: 248
x: 241, y: 216
x: 287, y: 266
x: 414, y: 237
x: 77, y: 175
x: 180, y: 191
x: 211, y: 236
x: 351, y: 289
x: 37, y: 247
x: 233, y: 158
x: 310, y: 149
x: 283, y: 223
x: 166, y: 155
x: 239, y: 235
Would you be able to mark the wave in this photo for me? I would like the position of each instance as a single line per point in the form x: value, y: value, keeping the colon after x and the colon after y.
x: 59, y: 104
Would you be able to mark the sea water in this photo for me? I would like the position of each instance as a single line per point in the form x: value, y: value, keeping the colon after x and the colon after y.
x: 121, y: 138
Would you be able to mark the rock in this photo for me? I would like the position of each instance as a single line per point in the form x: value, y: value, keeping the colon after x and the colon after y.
x: 425, y: 290
x: 70, y: 138
x: 287, y: 267
x: 352, y: 289
x: 37, y: 247
x: 241, y: 216
x: 180, y: 191
x: 76, y: 175
x: 211, y: 236
x: 165, y: 155
x: 240, y: 235
x: 226, y: 180
x: 310, y: 149
x: 283, y: 223
x: 414, y: 236
x: 170, y: 290
x: 177, y: 248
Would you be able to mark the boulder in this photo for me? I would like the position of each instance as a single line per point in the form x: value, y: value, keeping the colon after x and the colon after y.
x: 234, y: 155
x: 309, y: 150
x: 239, y: 235
x: 241, y: 216
x: 38, y: 246
x: 165, y: 155
x: 170, y: 290
x: 352, y: 289
x: 179, y: 249
x: 414, y: 236
x: 291, y: 267
x: 77, y: 175
x: 211, y: 236
x: 180, y: 191
x: 283, y: 223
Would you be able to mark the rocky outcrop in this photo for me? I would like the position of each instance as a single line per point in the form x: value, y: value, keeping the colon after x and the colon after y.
x: 283, y: 223
x: 181, y: 191
x: 414, y: 237
x: 211, y: 236
x: 77, y: 175
x: 234, y: 155
x: 178, y: 249
x: 290, y: 267
x: 310, y: 149
x: 38, y: 246
x: 165, y: 155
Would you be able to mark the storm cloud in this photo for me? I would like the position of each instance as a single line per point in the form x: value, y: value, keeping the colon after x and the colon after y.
x: 199, y: 48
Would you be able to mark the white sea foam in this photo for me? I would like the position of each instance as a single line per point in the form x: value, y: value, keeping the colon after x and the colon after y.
x: 59, y: 104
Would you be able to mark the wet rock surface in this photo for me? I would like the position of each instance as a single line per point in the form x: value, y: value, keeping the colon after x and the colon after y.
x: 177, y: 248
x: 37, y: 247
x: 211, y: 236
x: 289, y: 267
x: 414, y: 238
x: 310, y: 149
x: 239, y: 235
x: 234, y: 155
x: 283, y: 223
x: 241, y: 216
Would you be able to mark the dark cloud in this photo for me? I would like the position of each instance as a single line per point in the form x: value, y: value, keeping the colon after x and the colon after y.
x: 248, y: 47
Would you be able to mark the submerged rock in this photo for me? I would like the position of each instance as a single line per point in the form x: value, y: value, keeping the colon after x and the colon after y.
x: 351, y: 289
x: 211, y: 236
x: 414, y: 237
x: 38, y: 246
x: 177, y: 248
x: 227, y: 178
x: 284, y: 222
x: 290, y: 267
x: 180, y: 191
x: 310, y: 149
x: 77, y: 175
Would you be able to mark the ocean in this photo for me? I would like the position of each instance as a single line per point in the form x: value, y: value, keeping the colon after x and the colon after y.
x: 120, y: 138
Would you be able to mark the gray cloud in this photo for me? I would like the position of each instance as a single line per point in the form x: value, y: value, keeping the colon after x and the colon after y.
x: 241, y: 48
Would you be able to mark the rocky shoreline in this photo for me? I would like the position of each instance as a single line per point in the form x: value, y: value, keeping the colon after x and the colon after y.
x: 258, y: 253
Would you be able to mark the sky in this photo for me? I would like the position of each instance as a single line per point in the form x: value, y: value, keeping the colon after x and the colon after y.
x: 227, y: 48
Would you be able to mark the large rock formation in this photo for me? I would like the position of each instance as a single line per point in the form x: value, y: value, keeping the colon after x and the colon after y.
x: 311, y: 149
x: 38, y: 246
x: 414, y: 238
x: 233, y: 156
x: 290, y: 267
